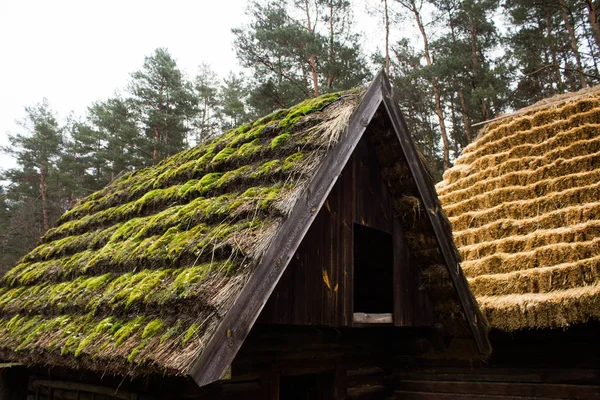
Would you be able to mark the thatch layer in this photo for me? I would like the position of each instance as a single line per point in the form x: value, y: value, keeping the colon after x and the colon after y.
x: 136, y: 277
x: 523, y: 200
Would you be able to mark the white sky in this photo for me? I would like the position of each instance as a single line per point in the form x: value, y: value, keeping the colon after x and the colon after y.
x: 74, y: 52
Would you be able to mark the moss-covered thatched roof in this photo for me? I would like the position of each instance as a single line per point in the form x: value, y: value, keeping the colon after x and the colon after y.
x: 146, y: 275
x: 141, y: 272
x: 524, y: 202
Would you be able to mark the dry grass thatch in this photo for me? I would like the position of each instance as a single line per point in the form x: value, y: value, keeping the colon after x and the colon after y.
x: 523, y: 200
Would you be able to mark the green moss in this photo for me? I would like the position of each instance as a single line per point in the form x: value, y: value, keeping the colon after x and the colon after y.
x: 230, y: 176
x: 172, y: 331
x: 291, y: 161
x: 223, y: 155
x: 152, y: 328
x: 95, y: 282
x: 279, y: 140
x: 190, y: 333
x: 203, y: 161
x: 275, y: 115
x: 103, y: 326
x: 307, y: 107
x: 136, y: 351
x: 146, y: 286
x: 207, y: 180
x: 265, y: 168
x: 243, y: 128
x: 247, y: 149
x: 254, y: 133
x: 41, y: 328
x: 188, y: 189
x: 268, y: 197
x: 127, y: 330
x: 148, y: 198
x: 186, y: 280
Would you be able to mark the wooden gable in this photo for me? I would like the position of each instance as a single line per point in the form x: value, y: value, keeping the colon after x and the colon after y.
x: 321, y: 285
x: 328, y: 187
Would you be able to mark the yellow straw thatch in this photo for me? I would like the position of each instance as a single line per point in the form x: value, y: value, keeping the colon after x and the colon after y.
x: 524, y: 204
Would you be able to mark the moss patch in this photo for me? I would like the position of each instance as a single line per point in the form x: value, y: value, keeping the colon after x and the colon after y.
x: 279, y: 140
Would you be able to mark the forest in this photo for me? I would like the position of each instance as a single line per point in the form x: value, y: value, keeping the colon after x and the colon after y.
x: 473, y: 60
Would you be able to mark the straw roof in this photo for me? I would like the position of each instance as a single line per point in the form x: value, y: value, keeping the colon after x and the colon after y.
x: 524, y: 203
x: 139, y: 277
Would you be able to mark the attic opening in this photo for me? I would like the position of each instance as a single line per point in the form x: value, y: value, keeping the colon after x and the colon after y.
x: 373, y: 275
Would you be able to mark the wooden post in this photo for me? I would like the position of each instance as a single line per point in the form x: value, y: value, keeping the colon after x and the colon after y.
x: 13, y: 383
x: 340, y: 384
x: 270, y: 385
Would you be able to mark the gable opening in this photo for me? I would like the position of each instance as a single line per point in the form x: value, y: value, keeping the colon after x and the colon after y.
x: 373, y: 275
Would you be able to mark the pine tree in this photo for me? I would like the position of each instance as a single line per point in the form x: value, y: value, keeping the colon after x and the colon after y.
x: 165, y: 102
x: 5, y: 256
x: 37, y: 153
x: 206, y: 88
x: 233, y: 108
x: 122, y: 146
x: 414, y: 7
x: 414, y: 93
x: 299, y: 51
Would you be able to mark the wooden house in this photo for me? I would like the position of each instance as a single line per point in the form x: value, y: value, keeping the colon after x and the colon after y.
x: 524, y: 202
x: 302, y: 256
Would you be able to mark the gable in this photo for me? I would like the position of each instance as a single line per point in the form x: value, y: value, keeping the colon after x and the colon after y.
x: 414, y: 200
x: 320, y: 284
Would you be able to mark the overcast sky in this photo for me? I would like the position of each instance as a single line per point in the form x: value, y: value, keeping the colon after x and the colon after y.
x: 74, y: 52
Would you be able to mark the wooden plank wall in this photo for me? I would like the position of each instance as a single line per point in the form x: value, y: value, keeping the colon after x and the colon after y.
x: 541, y: 364
x: 317, y: 287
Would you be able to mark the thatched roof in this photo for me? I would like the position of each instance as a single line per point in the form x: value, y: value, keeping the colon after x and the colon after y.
x: 147, y: 274
x: 524, y: 202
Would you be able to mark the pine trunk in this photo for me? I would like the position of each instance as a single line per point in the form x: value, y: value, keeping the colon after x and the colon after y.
x: 574, y: 44
x: 387, y: 38
x: 44, y: 205
x: 331, y: 41
x: 556, y: 67
x: 156, y: 144
x: 463, y: 111
x: 436, y: 90
x: 593, y: 15
x: 312, y: 60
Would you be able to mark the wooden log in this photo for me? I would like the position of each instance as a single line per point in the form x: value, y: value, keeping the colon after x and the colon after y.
x: 366, y: 392
x: 529, y: 375
x: 404, y: 395
x: 538, y: 390
x: 84, y: 387
x: 364, y: 318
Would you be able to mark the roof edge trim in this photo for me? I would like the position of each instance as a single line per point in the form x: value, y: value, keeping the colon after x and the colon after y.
x: 435, y: 213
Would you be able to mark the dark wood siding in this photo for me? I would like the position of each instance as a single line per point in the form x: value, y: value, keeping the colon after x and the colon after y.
x: 535, y: 364
x: 317, y: 287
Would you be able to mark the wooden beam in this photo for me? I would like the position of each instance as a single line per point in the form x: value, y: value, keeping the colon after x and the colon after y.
x: 84, y: 387
x: 404, y: 291
x: 443, y: 233
x: 544, y: 390
x: 364, y: 318
x: 236, y: 325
